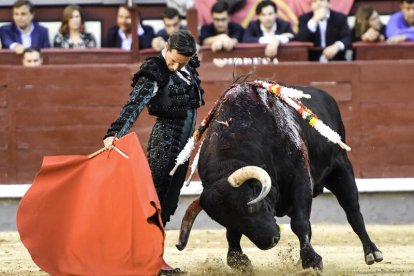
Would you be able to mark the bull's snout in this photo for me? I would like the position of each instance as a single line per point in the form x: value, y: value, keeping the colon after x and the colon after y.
x: 275, y: 240
x: 269, y: 241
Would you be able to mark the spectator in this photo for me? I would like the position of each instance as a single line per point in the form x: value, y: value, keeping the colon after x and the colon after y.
x: 172, y: 23
x: 72, y: 30
x: 327, y: 29
x: 368, y: 26
x: 120, y: 36
x: 24, y: 32
x: 222, y: 34
x: 268, y: 29
x: 400, y: 27
x: 32, y: 57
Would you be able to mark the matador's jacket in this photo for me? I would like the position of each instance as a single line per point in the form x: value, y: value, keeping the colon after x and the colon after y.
x: 173, y: 98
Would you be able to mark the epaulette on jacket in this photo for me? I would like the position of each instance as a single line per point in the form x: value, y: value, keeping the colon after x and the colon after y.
x: 155, y: 69
x: 194, y: 62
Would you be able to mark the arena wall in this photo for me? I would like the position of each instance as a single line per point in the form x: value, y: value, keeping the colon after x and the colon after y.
x: 66, y: 109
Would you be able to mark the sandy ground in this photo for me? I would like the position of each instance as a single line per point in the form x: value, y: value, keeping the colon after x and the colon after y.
x: 206, y: 253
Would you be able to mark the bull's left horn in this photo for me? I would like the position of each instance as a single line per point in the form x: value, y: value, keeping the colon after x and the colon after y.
x: 237, y: 179
x: 190, y: 215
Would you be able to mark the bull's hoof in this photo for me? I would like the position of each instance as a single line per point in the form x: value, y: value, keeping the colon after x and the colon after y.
x: 238, y: 260
x: 375, y: 256
x: 311, y: 259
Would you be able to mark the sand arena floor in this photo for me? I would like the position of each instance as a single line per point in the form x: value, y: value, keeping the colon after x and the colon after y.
x: 206, y: 252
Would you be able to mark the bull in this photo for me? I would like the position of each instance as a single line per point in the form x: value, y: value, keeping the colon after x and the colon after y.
x: 260, y: 160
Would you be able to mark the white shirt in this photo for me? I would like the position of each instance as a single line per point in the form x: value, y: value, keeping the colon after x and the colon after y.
x: 268, y: 36
x: 127, y: 40
x: 26, y: 38
x: 323, y: 24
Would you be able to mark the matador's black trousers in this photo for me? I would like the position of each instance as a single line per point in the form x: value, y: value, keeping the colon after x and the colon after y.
x: 168, y: 138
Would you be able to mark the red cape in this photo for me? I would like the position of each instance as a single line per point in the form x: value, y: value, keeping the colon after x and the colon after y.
x: 98, y: 216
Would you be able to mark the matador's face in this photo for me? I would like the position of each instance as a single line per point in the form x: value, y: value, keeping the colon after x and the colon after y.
x: 174, y: 60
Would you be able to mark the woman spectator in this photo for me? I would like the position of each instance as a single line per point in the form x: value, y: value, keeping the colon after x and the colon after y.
x: 368, y: 26
x: 72, y: 30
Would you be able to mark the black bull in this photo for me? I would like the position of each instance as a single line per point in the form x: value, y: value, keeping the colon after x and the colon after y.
x: 255, y: 130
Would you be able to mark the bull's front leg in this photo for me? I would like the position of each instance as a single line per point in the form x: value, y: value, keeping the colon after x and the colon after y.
x: 300, y: 215
x: 236, y: 259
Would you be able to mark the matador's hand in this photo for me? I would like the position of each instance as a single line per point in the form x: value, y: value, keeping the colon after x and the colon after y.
x: 109, y: 141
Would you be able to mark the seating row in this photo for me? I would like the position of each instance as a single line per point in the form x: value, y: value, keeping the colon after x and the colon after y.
x: 242, y: 54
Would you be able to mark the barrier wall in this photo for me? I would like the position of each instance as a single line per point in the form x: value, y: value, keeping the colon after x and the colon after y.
x: 66, y: 109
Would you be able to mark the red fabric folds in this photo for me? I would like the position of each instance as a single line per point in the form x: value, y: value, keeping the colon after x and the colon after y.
x: 98, y: 216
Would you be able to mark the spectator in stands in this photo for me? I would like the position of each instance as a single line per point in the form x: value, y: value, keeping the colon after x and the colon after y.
x: 32, y: 57
x: 24, y: 32
x: 72, y: 30
x: 400, y: 27
x: 368, y: 26
x: 172, y: 23
x: 327, y: 29
x: 268, y: 29
x: 222, y: 34
x: 120, y: 36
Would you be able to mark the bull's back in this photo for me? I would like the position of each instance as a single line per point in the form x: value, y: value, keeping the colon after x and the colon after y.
x: 324, y: 155
x: 325, y: 107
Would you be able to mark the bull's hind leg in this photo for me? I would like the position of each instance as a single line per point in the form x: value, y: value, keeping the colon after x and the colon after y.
x: 235, y: 257
x: 342, y: 184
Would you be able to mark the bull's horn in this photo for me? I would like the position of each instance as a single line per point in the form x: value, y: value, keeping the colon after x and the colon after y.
x: 190, y: 215
x: 237, y: 179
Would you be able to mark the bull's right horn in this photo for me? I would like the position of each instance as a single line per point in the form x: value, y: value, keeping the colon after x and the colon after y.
x: 240, y: 176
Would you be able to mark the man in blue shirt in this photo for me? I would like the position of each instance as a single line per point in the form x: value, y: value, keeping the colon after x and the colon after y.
x: 400, y: 27
x: 222, y: 34
x: 24, y: 32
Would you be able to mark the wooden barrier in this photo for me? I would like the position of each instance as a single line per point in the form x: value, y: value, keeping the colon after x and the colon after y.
x: 293, y: 51
x: 56, y: 109
x: 73, y: 56
x: 383, y: 51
